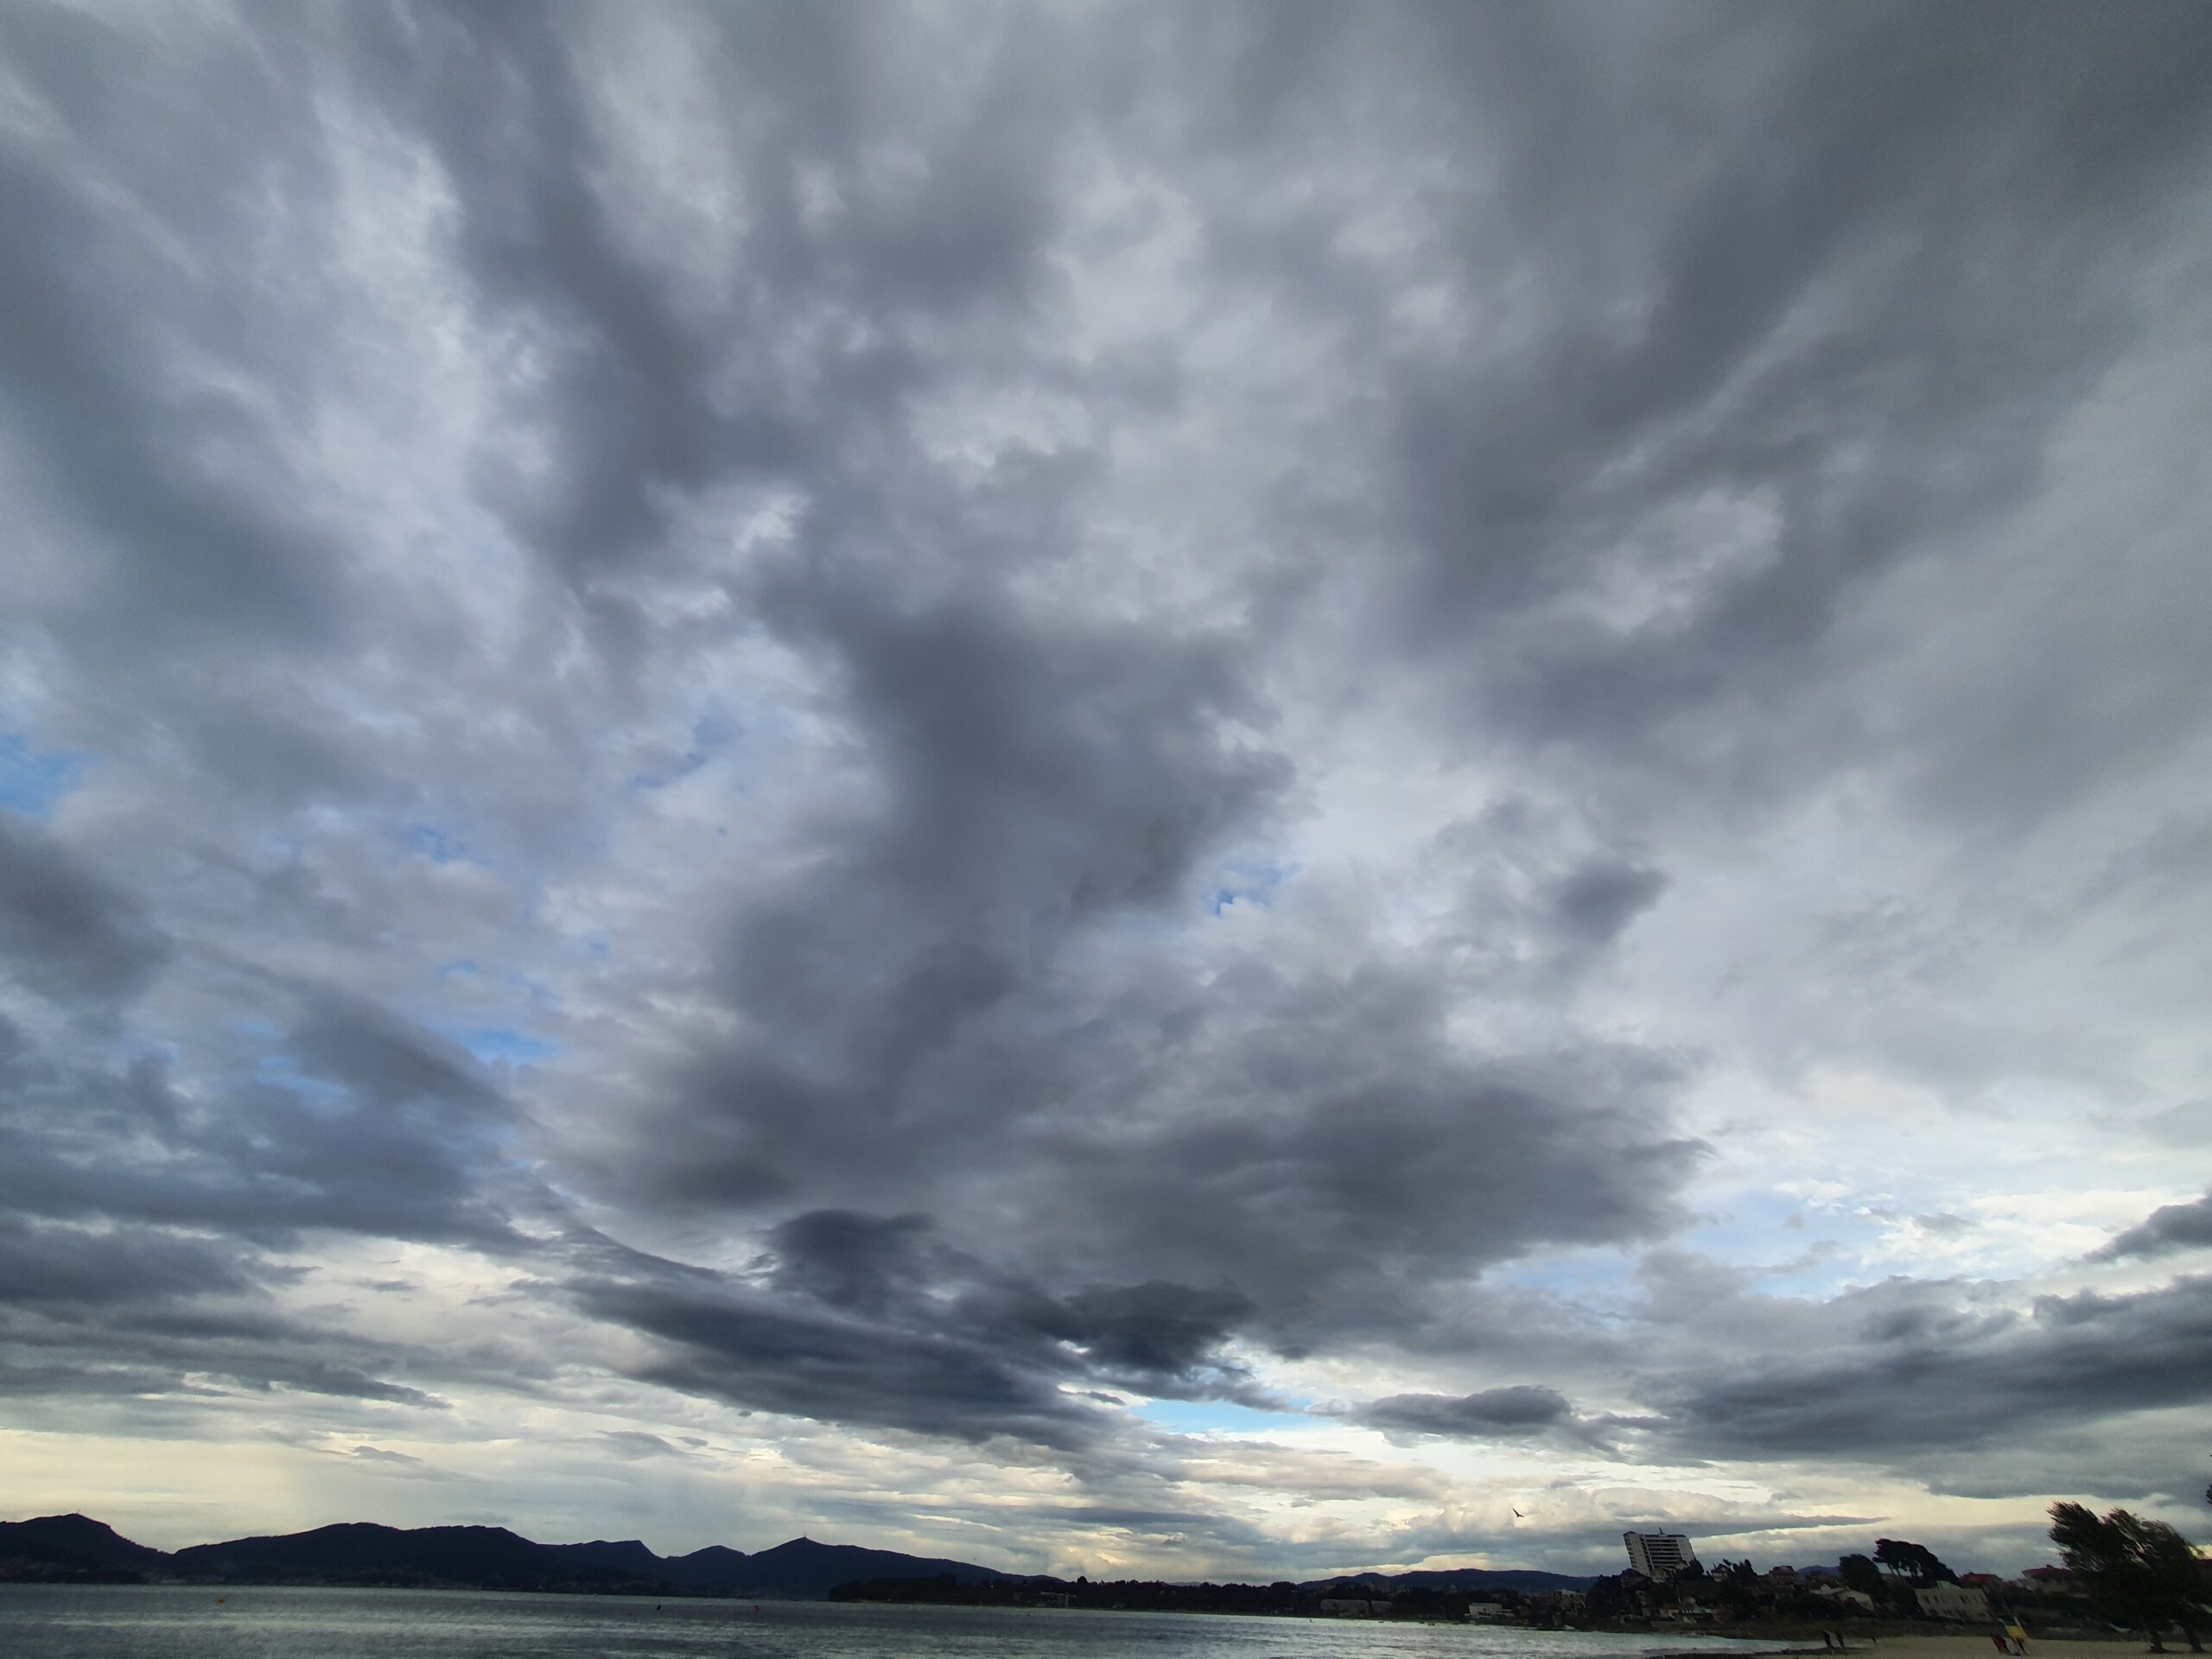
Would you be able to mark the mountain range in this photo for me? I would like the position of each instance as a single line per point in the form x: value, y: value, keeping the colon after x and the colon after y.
x: 76, y: 1548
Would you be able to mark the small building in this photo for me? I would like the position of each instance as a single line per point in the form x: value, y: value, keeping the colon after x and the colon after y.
x: 1658, y: 1555
x: 1488, y: 1610
x: 1953, y: 1601
x: 1857, y: 1598
x: 1055, y: 1598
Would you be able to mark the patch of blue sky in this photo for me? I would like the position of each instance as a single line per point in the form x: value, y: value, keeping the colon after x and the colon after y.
x: 645, y: 782
x: 536, y: 992
x: 462, y: 970
x: 1825, y: 1268
x: 1216, y: 1417
x: 32, y: 782
x: 281, y: 1070
x: 1790, y: 1247
x: 502, y: 1045
x: 1251, y: 884
x: 439, y: 846
x: 711, y: 735
x: 1750, y: 1225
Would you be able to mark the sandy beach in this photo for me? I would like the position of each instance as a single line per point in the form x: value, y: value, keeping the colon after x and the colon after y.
x: 1973, y: 1646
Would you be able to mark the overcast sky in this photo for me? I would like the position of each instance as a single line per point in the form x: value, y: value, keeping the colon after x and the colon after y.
x: 1199, y: 790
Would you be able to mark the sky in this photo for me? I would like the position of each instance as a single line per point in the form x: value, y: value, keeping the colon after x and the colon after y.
x: 1204, y: 790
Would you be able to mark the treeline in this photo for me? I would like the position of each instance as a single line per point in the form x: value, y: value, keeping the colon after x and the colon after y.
x: 1280, y: 1600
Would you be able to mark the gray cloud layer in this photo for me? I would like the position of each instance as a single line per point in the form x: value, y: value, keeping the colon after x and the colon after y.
x: 947, y: 717
x: 2166, y: 1229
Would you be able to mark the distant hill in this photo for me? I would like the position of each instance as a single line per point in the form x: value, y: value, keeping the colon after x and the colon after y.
x: 630, y: 1558
x: 74, y: 1549
x: 805, y: 1569
x: 490, y: 1558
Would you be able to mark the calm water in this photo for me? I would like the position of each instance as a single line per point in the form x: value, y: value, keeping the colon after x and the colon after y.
x: 160, y: 1623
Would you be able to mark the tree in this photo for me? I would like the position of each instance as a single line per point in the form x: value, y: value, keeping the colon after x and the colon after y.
x: 2180, y: 1574
x: 1859, y: 1572
x: 1914, y: 1563
x: 1610, y: 1597
x: 2137, y: 1573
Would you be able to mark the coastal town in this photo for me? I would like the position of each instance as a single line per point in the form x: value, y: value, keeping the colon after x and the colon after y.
x: 1898, y: 1588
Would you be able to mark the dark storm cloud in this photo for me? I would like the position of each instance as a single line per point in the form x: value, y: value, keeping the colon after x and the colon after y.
x: 1042, y: 778
x: 846, y: 1259
x: 65, y: 931
x: 1352, y: 1161
x: 353, y: 1125
x: 2170, y: 1226
x: 874, y: 1321
x: 1151, y: 1334
x: 1345, y: 1166
x: 379, y: 1061
x: 1600, y: 898
x: 646, y: 390
x: 169, y: 1280
x: 1921, y: 1373
x: 804, y: 1364
x: 1853, y: 257
x: 1156, y: 1334
x: 627, y: 404
x: 156, y: 135
x: 86, y: 1269
x: 1494, y: 1413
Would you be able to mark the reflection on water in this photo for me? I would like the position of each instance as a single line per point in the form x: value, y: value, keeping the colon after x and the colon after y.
x: 71, y: 1622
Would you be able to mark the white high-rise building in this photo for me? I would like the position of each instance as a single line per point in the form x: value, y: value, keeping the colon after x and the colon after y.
x: 1659, y: 1555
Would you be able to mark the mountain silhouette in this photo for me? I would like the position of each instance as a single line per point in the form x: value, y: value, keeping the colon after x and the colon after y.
x: 73, y: 1548
x: 804, y: 1569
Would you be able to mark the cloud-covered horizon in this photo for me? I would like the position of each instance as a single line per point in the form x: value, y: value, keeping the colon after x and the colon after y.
x: 1197, y: 790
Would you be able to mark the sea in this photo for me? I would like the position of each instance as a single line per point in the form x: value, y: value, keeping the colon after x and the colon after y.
x: 40, y: 1620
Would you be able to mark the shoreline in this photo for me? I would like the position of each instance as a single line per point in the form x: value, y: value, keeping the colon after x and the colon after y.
x: 1963, y: 1645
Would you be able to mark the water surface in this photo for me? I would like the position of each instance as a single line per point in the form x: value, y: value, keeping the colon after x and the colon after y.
x: 164, y: 1622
